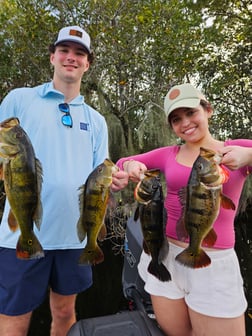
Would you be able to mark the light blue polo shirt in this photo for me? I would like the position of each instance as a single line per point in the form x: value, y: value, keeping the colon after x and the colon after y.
x: 67, y: 155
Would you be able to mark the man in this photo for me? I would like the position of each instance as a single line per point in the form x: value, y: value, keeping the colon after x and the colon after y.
x: 70, y: 139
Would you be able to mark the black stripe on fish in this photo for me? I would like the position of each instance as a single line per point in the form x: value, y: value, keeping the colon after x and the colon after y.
x: 200, y: 195
x: 196, y: 226
x: 94, y: 192
x: 200, y: 211
x: 93, y: 207
x: 89, y: 224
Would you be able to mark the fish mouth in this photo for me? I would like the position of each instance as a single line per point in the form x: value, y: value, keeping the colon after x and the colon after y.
x: 224, y: 173
x: 217, y: 158
x: 145, y: 199
x: 136, y: 196
x: 9, y: 123
x: 223, y: 176
x: 142, y: 192
x: 114, y: 169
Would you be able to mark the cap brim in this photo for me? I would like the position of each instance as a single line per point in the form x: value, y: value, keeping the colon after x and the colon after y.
x: 74, y: 41
x: 189, y: 102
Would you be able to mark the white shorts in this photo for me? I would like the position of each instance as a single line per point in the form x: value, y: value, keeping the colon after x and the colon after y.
x: 216, y: 290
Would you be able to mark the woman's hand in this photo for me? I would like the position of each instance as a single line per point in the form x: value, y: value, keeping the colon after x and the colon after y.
x: 135, y: 169
x: 120, y: 180
x: 235, y: 157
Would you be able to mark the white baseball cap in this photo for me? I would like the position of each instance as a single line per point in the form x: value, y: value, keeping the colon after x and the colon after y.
x: 74, y: 34
x: 184, y: 95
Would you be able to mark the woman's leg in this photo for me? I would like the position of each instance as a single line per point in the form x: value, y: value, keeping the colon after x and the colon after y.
x: 172, y: 316
x: 209, y: 326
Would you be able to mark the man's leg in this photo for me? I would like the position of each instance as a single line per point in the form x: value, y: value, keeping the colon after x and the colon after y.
x: 14, y: 325
x: 63, y: 313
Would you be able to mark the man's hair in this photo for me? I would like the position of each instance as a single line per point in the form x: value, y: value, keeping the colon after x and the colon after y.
x: 52, y: 49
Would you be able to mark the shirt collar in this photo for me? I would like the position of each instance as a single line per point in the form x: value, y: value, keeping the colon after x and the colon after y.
x: 47, y: 90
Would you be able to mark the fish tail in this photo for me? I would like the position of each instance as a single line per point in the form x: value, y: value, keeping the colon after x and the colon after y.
x: 159, y: 271
x: 29, y: 247
x: 91, y: 256
x: 193, y: 259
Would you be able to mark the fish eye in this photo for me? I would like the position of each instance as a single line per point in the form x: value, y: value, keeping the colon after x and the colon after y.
x: 200, y: 166
x: 154, y: 187
x: 18, y: 134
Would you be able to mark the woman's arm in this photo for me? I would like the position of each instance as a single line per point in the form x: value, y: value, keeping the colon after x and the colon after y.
x: 235, y: 157
x: 135, y: 169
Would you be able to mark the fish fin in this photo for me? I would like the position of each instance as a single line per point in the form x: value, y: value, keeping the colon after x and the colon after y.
x: 181, y: 229
x: 12, y: 222
x: 38, y: 214
x: 39, y: 174
x: 81, y: 232
x: 136, y: 214
x: 82, y: 197
x: 102, y: 233
x: 227, y: 203
x: 191, y: 259
x: 164, y: 250
x: 145, y: 247
x: 210, y: 238
x: 182, y: 194
x: 91, y: 256
x: 111, y: 201
x: 29, y: 248
x: 1, y: 170
x: 165, y: 216
x: 159, y: 271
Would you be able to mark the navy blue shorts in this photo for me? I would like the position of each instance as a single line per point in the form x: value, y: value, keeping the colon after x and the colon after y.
x: 24, y: 283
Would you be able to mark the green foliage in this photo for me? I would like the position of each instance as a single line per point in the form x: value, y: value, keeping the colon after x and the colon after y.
x: 24, y: 43
x: 225, y: 66
x: 142, y: 48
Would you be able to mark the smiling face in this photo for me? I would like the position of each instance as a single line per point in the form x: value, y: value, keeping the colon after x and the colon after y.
x: 190, y: 124
x: 70, y: 61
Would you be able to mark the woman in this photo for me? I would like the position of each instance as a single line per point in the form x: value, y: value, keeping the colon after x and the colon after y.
x: 204, y: 301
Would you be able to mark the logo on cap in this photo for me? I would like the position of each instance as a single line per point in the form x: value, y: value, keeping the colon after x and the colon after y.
x: 74, y: 32
x: 174, y: 94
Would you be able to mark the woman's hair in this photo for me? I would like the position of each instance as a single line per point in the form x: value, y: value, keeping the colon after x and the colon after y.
x: 205, y: 104
x: 52, y: 48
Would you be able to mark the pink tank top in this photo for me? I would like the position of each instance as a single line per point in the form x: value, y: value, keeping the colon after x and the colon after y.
x: 177, y: 175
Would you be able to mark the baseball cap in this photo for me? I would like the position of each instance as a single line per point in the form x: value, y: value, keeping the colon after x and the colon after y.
x: 184, y: 95
x: 74, y: 34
